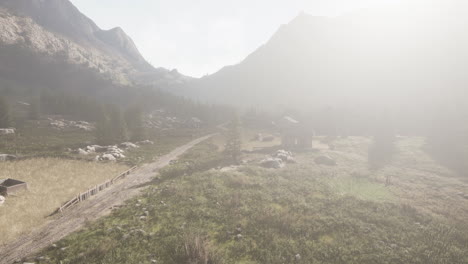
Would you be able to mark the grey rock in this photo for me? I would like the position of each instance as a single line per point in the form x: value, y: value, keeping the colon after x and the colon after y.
x: 81, y: 152
x: 272, y: 163
x: 7, y: 131
x: 146, y: 142
x: 128, y: 145
x: 107, y: 157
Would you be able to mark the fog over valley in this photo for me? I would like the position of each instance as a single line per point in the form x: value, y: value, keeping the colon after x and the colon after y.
x: 218, y: 132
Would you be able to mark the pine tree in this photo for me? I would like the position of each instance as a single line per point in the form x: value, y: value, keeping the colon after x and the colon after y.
x: 117, y: 126
x: 134, y: 121
x: 5, y: 115
x: 34, y: 110
x: 103, y: 135
x: 234, y: 142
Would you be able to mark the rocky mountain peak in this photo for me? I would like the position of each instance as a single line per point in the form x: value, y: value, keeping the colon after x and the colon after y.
x: 61, y: 16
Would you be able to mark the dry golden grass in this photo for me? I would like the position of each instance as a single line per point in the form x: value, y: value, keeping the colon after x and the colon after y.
x: 51, y: 182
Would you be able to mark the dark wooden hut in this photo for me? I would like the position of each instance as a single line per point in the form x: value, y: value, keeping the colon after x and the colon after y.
x: 11, y: 186
x: 295, y: 134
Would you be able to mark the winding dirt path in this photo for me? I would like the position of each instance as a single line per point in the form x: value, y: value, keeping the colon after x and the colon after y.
x: 90, y: 210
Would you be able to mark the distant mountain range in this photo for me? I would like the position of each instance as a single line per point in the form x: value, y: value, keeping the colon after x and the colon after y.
x: 60, y: 37
x: 413, y: 54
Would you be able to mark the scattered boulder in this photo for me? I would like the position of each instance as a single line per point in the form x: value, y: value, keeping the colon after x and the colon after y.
x: 325, y: 160
x: 118, y: 155
x: 109, y: 153
x: 98, y: 149
x: 7, y: 157
x: 228, y: 169
x: 62, y: 124
x: 83, y: 125
x: 116, y: 152
x: 2, y: 200
x: 145, y: 142
x: 82, y: 152
x: 272, y: 163
x: 128, y: 145
x: 7, y: 131
x: 285, y: 156
x: 106, y: 157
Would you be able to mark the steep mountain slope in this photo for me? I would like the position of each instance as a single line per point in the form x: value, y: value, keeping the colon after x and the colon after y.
x: 64, y: 18
x: 409, y: 54
x: 56, y: 31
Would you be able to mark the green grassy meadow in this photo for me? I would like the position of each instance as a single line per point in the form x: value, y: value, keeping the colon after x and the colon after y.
x: 303, y: 213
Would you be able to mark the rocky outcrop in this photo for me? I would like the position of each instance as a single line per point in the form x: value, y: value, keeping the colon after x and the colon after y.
x: 109, y: 153
x: 285, y: 156
x: 23, y: 33
x: 7, y: 131
x: 62, y: 124
x: 61, y: 16
x: 56, y: 30
x: 122, y: 43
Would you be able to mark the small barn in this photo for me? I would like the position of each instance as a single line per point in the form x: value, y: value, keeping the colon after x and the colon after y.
x: 294, y: 134
x: 11, y: 186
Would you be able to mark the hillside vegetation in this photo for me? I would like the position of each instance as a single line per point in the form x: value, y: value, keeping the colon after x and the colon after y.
x: 303, y: 213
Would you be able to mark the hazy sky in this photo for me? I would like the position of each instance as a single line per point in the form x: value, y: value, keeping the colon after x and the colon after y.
x: 198, y: 37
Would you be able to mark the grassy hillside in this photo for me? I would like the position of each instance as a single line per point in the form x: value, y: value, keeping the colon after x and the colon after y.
x: 303, y: 213
x: 35, y: 139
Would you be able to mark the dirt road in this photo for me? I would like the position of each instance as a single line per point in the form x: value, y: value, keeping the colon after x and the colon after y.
x: 74, y: 219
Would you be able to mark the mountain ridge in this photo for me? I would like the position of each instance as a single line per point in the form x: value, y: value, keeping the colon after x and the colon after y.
x: 62, y: 17
x: 109, y: 52
x: 374, y: 57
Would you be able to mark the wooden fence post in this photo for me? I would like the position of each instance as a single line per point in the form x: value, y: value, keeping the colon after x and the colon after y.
x: 93, y: 191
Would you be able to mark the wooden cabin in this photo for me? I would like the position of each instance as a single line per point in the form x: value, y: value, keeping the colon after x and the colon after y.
x: 11, y: 186
x: 294, y: 134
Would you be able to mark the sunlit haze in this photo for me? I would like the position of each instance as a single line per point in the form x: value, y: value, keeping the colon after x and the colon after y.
x: 234, y: 131
x: 200, y: 37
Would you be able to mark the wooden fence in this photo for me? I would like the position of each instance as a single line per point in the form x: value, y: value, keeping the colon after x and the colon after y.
x: 92, y: 191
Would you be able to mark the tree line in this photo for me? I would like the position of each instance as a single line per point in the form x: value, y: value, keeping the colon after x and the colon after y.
x: 118, y: 116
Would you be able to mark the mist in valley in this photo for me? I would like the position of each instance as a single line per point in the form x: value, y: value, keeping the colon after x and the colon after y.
x: 324, y: 132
